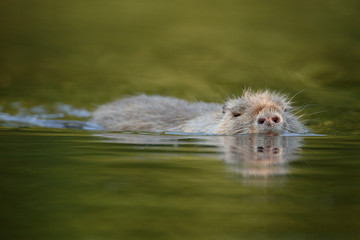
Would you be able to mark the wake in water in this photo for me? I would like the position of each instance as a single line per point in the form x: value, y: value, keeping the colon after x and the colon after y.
x: 42, y: 117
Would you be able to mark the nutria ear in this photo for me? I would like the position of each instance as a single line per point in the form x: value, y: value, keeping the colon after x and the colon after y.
x: 224, y: 108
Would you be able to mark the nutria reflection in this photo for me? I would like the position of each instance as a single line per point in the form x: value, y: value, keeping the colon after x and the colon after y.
x: 260, y: 155
x: 253, y: 155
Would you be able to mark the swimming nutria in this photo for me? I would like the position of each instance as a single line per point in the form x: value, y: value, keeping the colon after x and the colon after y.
x: 253, y: 112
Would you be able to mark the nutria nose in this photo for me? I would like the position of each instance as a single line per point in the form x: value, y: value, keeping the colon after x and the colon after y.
x: 269, y: 119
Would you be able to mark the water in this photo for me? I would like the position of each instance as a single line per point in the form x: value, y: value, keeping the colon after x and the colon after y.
x: 62, y: 177
x: 74, y: 184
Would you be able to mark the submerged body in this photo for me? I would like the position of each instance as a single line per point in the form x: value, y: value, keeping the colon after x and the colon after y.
x: 253, y: 112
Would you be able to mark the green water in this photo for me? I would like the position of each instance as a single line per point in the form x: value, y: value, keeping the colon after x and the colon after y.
x: 72, y: 184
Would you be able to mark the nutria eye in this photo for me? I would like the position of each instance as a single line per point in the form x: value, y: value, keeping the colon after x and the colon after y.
x: 236, y: 114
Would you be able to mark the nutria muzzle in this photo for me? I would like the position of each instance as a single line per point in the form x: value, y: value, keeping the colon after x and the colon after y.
x: 269, y: 123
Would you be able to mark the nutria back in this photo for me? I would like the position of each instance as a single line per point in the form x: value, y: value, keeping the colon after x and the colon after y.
x: 149, y: 113
x: 253, y: 112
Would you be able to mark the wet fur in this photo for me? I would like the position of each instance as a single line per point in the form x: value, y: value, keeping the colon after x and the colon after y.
x: 236, y: 116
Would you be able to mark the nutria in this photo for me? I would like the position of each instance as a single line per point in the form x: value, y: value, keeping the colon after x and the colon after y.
x: 253, y: 112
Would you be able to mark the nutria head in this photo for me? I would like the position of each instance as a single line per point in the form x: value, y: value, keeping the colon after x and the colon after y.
x: 259, y: 112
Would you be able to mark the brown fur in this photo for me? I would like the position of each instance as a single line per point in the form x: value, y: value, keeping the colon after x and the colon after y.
x: 253, y: 112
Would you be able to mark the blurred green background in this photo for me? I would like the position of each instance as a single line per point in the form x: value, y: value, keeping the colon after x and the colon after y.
x: 86, y: 53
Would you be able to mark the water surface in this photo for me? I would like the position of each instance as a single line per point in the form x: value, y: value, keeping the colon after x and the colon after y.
x: 75, y: 184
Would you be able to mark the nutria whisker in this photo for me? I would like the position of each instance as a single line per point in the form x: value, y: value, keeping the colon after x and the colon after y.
x: 313, y: 113
x: 290, y: 100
